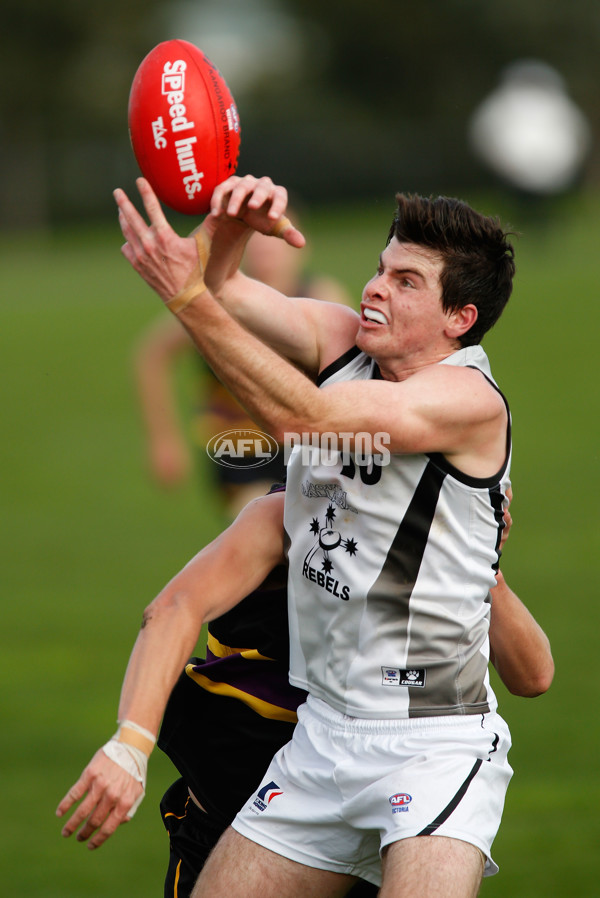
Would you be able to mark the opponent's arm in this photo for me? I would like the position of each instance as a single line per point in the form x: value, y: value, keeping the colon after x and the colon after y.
x: 155, y: 355
x: 519, y: 649
x: 215, y: 580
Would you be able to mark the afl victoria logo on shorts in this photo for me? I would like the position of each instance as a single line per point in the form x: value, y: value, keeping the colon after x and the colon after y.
x: 400, y: 802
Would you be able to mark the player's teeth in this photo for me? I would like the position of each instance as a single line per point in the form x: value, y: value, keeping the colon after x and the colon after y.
x: 374, y: 315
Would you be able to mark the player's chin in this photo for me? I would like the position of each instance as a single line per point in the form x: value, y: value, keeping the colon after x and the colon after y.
x: 366, y: 338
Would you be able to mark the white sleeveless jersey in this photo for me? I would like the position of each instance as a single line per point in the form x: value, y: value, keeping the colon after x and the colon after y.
x: 390, y: 569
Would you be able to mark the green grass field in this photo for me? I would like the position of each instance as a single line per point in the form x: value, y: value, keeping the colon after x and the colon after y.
x: 87, y: 540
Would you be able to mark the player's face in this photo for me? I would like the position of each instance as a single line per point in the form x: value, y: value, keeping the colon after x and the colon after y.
x: 402, y: 320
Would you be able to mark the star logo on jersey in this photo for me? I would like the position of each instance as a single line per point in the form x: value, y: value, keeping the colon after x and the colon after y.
x: 328, y: 539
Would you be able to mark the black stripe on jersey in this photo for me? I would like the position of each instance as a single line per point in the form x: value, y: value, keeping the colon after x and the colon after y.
x: 496, y: 499
x: 412, y: 535
x: 453, y: 804
x: 336, y: 366
x: 475, y: 482
x: 401, y: 567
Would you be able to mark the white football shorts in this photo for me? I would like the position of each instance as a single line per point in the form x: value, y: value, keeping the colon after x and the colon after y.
x: 343, y: 788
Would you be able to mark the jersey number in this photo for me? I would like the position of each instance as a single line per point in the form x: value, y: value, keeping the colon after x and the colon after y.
x: 369, y: 471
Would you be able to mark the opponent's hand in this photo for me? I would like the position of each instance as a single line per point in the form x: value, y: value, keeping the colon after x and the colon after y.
x: 108, y: 792
x: 162, y: 258
x: 508, y: 521
x: 259, y: 203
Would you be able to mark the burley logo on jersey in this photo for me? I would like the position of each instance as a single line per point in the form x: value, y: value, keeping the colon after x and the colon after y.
x: 395, y: 676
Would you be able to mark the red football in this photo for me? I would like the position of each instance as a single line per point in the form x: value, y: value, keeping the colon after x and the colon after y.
x: 184, y: 125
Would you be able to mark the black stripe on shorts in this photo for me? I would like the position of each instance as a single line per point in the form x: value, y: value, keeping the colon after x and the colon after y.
x: 453, y: 804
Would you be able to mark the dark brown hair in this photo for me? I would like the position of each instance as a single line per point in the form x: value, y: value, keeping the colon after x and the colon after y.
x: 478, y: 258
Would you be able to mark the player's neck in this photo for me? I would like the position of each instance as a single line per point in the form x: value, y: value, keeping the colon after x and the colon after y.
x: 398, y: 369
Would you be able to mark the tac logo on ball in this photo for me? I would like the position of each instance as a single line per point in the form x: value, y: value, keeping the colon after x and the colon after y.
x: 242, y: 449
x: 184, y: 125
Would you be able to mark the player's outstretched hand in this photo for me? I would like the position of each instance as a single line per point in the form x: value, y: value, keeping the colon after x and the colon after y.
x: 110, y: 796
x: 162, y: 258
x: 259, y: 203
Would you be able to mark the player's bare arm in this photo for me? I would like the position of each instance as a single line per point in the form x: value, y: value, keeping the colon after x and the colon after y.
x: 297, y: 328
x: 167, y: 262
x: 519, y: 649
x: 440, y: 408
x: 156, y: 352
x: 301, y: 330
x: 209, y: 585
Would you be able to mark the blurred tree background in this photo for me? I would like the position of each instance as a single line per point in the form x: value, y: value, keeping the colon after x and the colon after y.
x: 337, y: 99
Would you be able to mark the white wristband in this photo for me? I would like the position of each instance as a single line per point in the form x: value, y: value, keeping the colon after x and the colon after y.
x: 133, y: 761
x: 131, y: 725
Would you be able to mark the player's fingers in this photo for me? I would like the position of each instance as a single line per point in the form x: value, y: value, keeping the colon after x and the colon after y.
x: 125, y: 229
x: 255, y: 194
x: 117, y: 807
x: 133, y: 249
x: 105, y: 832
x: 98, y: 820
x: 76, y: 792
x: 78, y: 816
x: 506, y: 529
x: 288, y: 232
x: 220, y: 193
x: 152, y: 205
x: 235, y: 199
x: 104, y: 812
x: 108, y: 826
x: 256, y: 199
x: 142, y: 242
x: 127, y: 210
x: 295, y: 238
x: 94, y: 819
x: 130, y: 221
x: 127, y: 251
x: 270, y: 196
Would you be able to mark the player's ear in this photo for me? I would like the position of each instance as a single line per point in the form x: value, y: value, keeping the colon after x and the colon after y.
x: 461, y: 320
